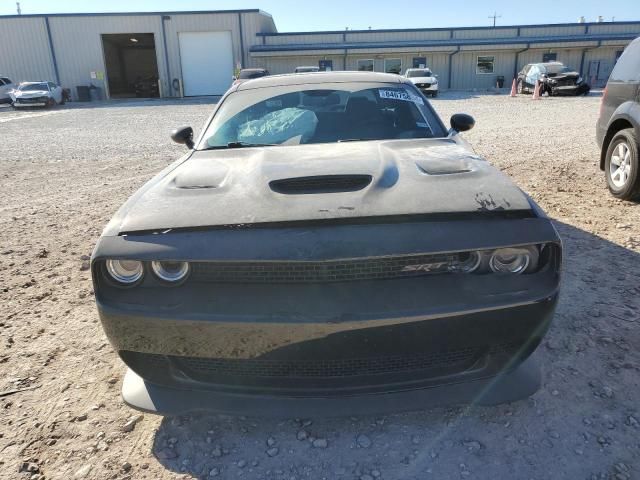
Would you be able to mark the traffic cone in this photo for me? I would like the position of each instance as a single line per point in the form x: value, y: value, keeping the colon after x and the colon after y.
x: 513, y: 89
x: 536, y: 91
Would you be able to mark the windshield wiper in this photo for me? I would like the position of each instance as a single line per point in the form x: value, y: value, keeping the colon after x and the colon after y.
x: 240, y: 145
x: 245, y: 144
x: 354, y: 140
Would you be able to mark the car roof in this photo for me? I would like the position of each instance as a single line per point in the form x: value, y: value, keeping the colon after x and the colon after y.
x: 557, y: 64
x: 320, y: 77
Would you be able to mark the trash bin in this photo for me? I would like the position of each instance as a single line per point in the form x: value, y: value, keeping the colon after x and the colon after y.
x: 83, y: 93
x: 95, y: 93
x: 500, y: 81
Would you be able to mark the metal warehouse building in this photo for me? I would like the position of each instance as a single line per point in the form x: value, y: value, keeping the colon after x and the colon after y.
x: 196, y: 53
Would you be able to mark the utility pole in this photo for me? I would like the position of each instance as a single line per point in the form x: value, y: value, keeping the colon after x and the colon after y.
x: 494, y: 16
x: 18, y: 8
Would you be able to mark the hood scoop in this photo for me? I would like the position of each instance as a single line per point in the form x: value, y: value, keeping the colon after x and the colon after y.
x: 320, y: 184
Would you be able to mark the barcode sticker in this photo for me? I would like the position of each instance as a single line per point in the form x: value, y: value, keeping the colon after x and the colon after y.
x: 401, y: 95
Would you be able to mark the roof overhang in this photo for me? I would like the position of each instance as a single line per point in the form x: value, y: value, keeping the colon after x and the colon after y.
x: 564, y: 41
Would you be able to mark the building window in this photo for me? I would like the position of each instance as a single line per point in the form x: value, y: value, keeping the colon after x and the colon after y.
x: 419, y: 62
x: 365, y: 65
x: 326, y: 65
x: 484, y: 65
x: 393, y: 65
x: 549, y: 57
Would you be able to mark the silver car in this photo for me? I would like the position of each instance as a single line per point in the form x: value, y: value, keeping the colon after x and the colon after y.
x: 6, y: 86
x: 37, y: 94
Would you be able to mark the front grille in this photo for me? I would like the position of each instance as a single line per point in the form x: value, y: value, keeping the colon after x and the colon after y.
x: 374, y: 268
x: 566, y: 82
x: 32, y: 100
x: 213, y: 367
x: 320, y: 184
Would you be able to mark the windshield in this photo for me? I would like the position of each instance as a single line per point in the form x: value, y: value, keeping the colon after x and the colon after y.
x: 305, y: 114
x: 555, y: 69
x: 419, y: 73
x: 247, y: 74
x: 33, y: 87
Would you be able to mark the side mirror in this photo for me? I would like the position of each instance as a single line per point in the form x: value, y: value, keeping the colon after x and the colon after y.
x: 183, y: 135
x: 436, y: 75
x: 461, y: 122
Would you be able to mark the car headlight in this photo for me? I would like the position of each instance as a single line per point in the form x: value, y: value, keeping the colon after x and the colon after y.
x: 126, y: 272
x: 514, y: 260
x: 470, y: 264
x: 435, y: 82
x: 172, y: 272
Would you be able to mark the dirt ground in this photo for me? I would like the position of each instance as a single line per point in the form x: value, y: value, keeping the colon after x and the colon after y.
x: 63, y: 174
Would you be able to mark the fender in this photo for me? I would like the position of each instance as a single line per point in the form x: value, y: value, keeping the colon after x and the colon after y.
x: 628, y: 112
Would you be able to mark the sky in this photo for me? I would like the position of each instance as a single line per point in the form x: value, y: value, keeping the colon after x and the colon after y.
x: 300, y: 15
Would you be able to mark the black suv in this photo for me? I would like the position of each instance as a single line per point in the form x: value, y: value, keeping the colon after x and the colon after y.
x: 618, y: 128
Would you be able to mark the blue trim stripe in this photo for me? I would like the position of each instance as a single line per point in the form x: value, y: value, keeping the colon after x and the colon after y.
x: 444, y: 29
x: 125, y: 14
x: 441, y: 43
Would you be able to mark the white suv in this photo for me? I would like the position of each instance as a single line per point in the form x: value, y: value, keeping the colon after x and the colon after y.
x: 6, y: 86
x: 424, y: 79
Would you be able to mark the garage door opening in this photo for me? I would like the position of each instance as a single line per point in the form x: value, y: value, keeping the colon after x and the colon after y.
x: 132, y: 65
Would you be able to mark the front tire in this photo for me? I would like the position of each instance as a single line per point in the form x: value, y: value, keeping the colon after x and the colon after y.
x: 520, y: 87
x: 622, y: 165
x: 434, y: 94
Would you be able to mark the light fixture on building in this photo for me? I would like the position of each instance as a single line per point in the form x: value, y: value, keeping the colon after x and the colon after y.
x: 133, y: 40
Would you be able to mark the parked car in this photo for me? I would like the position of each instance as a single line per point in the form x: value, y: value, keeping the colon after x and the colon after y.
x: 308, y: 69
x: 147, y: 87
x: 37, y: 94
x: 326, y: 245
x: 6, y: 87
x: 250, y: 73
x: 424, y: 80
x: 618, y: 127
x: 554, y: 78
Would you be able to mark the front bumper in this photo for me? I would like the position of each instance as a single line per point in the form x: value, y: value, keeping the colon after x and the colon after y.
x: 19, y: 104
x: 570, y: 90
x: 427, y: 87
x: 396, y: 338
x: 508, y: 386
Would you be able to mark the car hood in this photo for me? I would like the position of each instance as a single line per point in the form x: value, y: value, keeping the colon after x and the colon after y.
x: 565, y: 75
x: 422, y: 79
x: 33, y: 94
x: 235, y: 186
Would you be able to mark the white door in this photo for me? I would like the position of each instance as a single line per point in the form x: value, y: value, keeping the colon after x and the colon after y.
x: 207, y: 62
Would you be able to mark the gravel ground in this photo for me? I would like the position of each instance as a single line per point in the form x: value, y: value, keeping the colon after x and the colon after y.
x: 63, y: 173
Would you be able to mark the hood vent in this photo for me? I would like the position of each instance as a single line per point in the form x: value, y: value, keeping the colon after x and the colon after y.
x: 320, y: 184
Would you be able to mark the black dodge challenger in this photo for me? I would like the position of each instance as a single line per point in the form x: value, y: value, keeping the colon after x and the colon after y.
x: 326, y: 246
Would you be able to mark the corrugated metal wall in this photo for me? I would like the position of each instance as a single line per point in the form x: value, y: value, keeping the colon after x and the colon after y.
x: 24, y: 49
x: 465, y: 76
x: 25, y: 52
x: 77, y: 41
x: 78, y: 45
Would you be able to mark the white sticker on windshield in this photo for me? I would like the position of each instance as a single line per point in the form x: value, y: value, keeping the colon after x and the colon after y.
x: 401, y: 95
x: 422, y: 125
